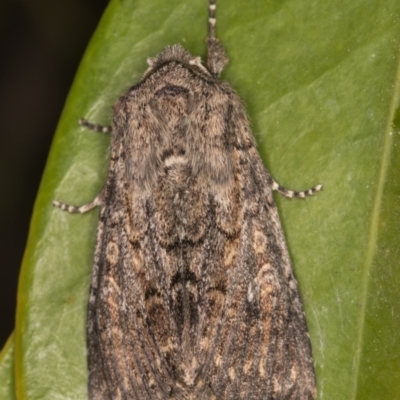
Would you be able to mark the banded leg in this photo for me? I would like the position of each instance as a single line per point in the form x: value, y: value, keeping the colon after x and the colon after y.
x: 98, y: 199
x: 82, y: 209
x: 290, y: 193
x: 95, y: 127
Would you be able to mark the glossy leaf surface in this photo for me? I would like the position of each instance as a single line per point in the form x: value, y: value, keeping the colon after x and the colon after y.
x: 7, y: 381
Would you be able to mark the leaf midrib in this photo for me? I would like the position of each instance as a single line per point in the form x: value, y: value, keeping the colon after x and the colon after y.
x: 373, y: 228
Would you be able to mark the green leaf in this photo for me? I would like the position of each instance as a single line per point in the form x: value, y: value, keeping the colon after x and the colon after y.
x: 7, y: 381
x: 321, y: 85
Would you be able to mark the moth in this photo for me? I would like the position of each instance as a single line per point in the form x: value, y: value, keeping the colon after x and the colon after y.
x: 192, y: 293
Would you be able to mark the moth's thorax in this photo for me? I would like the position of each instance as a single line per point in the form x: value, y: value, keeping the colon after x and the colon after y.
x: 179, y: 123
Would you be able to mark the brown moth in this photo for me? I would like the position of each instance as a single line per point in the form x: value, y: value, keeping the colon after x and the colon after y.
x: 192, y: 293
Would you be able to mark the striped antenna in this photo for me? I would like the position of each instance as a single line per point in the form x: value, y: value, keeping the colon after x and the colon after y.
x: 216, y: 56
x: 211, y: 19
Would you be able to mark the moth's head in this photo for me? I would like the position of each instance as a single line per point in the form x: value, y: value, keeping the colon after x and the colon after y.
x: 174, y: 53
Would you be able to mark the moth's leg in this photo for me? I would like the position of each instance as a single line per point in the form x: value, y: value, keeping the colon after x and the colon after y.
x: 290, y: 193
x: 98, y: 201
x: 95, y: 127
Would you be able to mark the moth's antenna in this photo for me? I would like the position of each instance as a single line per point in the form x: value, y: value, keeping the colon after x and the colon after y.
x: 211, y: 19
x: 216, y: 56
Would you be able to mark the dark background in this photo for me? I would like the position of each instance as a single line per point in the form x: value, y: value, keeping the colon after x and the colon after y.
x: 41, y: 44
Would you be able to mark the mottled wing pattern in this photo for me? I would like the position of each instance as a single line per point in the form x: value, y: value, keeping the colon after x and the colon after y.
x: 192, y: 295
x: 262, y: 349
